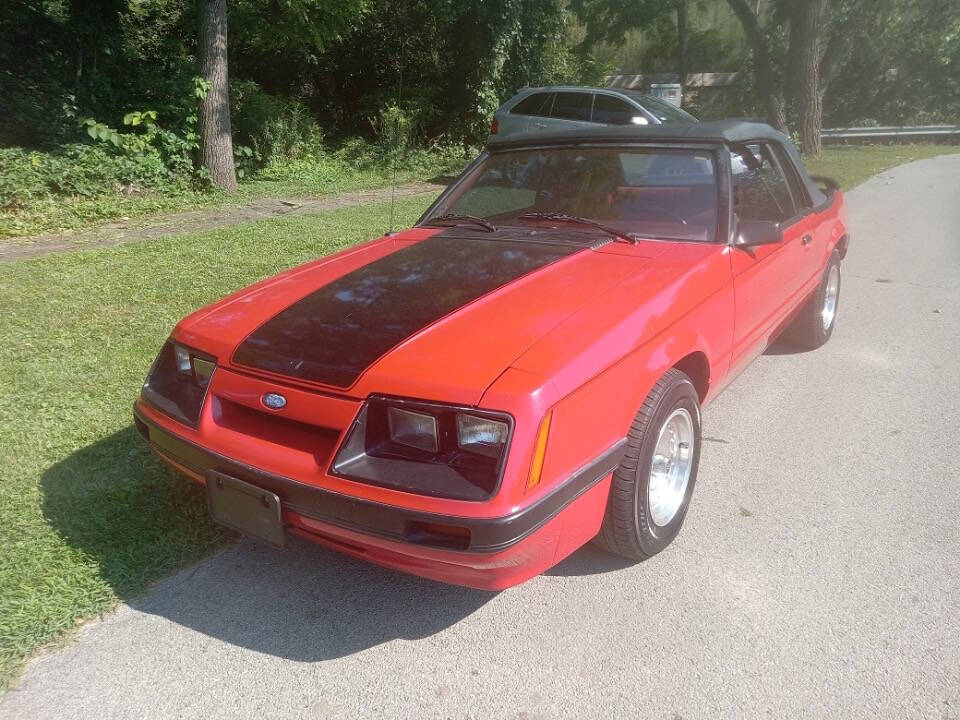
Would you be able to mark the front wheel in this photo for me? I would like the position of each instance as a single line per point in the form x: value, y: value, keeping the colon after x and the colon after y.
x: 814, y: 325
x: 651, y: 488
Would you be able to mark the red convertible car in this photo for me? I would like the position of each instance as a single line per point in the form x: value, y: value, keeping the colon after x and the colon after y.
x: 521, y: 372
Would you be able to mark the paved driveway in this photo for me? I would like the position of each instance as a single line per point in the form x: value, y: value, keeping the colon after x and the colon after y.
x: 818, y: 573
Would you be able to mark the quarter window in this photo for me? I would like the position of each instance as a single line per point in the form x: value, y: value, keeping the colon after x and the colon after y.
x: 760, y: 191
x: 536, y: 104
x: 613, y: 111
x: 572, y: 106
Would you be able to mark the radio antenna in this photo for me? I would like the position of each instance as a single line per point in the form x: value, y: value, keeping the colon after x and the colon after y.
x: 396, y: 136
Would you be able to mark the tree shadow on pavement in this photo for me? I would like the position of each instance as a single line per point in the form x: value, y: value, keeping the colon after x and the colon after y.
x: 119, y: 506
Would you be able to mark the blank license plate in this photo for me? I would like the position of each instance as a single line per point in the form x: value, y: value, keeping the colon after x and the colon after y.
x: 245, y: 508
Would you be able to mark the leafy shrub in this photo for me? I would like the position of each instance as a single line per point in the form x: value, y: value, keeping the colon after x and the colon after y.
x: 275, y: 128
x: 73, y: 170
x: 393, y: 127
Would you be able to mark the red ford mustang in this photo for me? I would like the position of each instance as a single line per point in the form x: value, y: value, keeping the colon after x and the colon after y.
x: 521, y: 372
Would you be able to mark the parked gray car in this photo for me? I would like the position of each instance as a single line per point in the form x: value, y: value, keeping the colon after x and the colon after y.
x: 558, y: 108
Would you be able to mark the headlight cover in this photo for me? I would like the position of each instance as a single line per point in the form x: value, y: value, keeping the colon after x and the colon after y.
x: 178, y: 381
x: 426, y: 448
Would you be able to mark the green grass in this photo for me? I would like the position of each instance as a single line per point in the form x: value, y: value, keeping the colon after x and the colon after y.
x: 850, y: 165
x: 290, y: 178
x: 87, y: 515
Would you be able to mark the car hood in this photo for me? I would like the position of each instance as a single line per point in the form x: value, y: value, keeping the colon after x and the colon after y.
x: 431, y: 313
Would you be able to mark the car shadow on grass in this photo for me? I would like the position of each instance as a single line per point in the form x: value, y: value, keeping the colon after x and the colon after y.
x: 116, y: 504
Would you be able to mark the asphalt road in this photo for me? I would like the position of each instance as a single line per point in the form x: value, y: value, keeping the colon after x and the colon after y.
x: 818, y: 573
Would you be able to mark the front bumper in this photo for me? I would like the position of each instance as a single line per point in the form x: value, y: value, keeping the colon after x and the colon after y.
x: 487, y: 553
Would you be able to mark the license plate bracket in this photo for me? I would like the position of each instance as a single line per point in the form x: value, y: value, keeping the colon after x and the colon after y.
x: 245, y: 508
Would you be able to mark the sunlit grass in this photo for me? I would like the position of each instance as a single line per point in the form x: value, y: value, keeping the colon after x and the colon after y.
x: 850, y: 165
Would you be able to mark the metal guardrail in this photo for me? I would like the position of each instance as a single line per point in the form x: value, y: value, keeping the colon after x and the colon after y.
x: 889, y: 132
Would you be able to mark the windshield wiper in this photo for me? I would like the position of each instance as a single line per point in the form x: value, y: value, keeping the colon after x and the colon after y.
x: 563, y: 217
x: 461, y: 220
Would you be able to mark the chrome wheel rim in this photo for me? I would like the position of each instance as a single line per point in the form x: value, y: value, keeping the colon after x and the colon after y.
x: 670, y: 468
x: 829, y: 311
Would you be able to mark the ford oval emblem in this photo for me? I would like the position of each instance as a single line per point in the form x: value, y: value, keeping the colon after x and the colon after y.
x: 274, y: 401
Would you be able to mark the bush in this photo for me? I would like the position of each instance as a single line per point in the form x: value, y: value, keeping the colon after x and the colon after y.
x: 74, y: 170
x: 275, y: 128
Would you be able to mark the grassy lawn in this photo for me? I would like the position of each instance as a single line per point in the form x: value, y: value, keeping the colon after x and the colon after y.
x: 850, y: 165
x: 87, y: 515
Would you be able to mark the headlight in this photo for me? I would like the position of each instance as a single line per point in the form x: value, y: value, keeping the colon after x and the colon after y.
x: 413, y: 429
x: 178, y: 380
x: 481, y: 434
x: 426, y: 448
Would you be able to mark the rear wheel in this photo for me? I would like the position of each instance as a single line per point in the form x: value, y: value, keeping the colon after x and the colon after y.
x: 814, y: 325
x: 651, y: 488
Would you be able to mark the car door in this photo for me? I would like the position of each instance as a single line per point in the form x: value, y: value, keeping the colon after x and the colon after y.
x: 815, y: 234
x: 768, y: 279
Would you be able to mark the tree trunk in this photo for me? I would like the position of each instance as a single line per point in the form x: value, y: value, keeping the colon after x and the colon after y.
x: 769, y: 87
x: 216, y: 145
x: 682, y: 41
x: 808, y: 17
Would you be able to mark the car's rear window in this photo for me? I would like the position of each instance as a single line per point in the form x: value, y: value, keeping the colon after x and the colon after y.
x: 651, y: 192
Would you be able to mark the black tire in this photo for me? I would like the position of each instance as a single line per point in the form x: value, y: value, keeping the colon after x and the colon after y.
x: 808, y: 330
x: 628, y: 527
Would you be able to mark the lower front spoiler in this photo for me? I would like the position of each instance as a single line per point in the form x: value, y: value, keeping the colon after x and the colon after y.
x: 487, y: 553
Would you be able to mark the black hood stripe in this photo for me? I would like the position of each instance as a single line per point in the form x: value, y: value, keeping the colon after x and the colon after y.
x: 335, y: 333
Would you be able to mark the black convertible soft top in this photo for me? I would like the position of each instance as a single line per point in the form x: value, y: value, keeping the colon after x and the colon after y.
x: 730, y: 132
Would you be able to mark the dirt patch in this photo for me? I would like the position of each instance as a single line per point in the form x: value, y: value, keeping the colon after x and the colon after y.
x: 156, y: 226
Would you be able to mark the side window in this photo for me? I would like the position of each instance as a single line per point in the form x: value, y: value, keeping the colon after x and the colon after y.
x: 613, y: 111
x: 760, y: 191
x: 800, y: 196
x: 572, y: 106
x: 536, y: 104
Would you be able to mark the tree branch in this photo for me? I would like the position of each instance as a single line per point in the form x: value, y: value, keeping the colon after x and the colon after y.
x: 751, y: 27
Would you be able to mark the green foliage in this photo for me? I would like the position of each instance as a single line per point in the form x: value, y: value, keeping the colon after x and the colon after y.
x: 394, y: 129
x: 75, y: 169
x: 273, y: 128
x: 902, y: 65
x: 458, y: 61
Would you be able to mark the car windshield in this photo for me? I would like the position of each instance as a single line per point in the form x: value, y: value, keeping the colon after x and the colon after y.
x: 657, y: 193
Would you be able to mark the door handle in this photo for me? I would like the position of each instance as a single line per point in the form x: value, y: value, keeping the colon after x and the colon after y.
x: 540, y: 125
x: 806, y: 240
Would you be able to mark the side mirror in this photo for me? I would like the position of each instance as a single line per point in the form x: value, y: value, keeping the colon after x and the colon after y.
x: 639, y: 120
x: 751, y: 233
